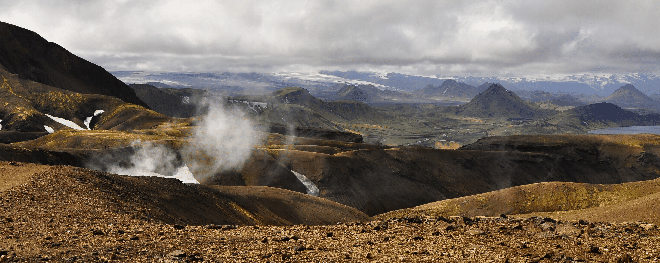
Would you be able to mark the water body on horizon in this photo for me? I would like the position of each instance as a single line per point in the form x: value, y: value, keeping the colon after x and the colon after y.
x: 628, y: 130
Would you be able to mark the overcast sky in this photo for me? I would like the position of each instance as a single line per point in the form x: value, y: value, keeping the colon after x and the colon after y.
x: 419, y: 37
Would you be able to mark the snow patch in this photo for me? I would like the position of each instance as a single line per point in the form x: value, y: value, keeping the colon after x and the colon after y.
x: 49, y: 129
x: 311, y: 187
x: 65, y: 122
x: 183, y: 174
x: 88, y: 120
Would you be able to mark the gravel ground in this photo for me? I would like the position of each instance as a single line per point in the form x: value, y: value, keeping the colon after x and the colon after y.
x: 59, y: 216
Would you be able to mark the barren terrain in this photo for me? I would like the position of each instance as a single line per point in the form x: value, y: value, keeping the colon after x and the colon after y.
x: 63, y: 214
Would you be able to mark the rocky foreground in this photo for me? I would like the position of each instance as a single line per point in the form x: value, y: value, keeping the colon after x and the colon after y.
x: 67, y: 214
x: 398, y: 240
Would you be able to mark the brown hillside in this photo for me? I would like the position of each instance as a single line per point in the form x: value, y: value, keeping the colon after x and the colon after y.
x: 381, y: 180
x: 561, y: 200
x: 26, y: 102
x: 78, y: 193
x: 32, y: 57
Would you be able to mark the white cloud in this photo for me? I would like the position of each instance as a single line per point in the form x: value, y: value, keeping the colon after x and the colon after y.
x: 428, y: 36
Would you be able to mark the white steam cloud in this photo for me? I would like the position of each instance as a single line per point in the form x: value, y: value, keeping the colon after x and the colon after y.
x: 222, y: 141
x: 147, y: 159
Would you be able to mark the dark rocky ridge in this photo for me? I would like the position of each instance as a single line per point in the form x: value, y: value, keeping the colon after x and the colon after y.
x: 605, y: 115
x: 164, y: 102
x: 32, y: 57
x: 452, y: 88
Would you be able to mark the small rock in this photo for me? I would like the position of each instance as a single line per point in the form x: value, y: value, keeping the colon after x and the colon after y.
x: 624, y: 259
x: 474, y: 232
x: 229, y: 227
x: 568, y: 230
x: 299, y: 248
x: 548, y: 226
x: 177, y: 254
x: 647, y: 227
x: 413, y: 220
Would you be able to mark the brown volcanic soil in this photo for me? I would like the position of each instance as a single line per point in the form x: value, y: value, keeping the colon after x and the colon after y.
x: 66, y: 214
x: 560, y: 200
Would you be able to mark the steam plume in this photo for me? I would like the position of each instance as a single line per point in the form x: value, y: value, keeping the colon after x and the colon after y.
x: 222, y: 141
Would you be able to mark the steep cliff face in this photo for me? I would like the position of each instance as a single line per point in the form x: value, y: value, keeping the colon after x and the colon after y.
x: 32, y: 57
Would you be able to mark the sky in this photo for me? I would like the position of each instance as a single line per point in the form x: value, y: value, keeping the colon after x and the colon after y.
x: 487, y: 38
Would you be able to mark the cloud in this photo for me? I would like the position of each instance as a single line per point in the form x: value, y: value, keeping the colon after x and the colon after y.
x: 430, y: 36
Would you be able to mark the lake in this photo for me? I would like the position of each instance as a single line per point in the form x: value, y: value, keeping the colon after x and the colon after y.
x: 628, y: 130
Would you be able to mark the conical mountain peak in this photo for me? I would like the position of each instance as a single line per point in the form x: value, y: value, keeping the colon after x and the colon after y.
x: 496, y: 101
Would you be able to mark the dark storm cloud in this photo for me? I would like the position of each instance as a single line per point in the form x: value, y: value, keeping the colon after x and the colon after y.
x: 496, y: 37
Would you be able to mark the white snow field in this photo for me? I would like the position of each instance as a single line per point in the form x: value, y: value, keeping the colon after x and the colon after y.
x: 65, y: 122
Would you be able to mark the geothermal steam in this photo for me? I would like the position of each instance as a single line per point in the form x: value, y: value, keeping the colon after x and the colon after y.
x: 222, y: 142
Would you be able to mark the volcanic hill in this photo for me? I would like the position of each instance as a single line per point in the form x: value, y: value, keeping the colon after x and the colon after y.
x: 602, y: 115
x: 628, y: 96
x: 296, y: 107
x: 496, y: 101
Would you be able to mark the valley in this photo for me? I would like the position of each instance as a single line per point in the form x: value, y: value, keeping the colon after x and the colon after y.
x: 268, y: 167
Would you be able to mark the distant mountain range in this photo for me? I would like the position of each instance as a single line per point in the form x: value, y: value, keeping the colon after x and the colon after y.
x: 561, y: 99
x: 452, y: 88
x: 575, y: 84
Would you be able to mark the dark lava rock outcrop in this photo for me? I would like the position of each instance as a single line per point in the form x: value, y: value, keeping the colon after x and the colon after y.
x: 165, y: 102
